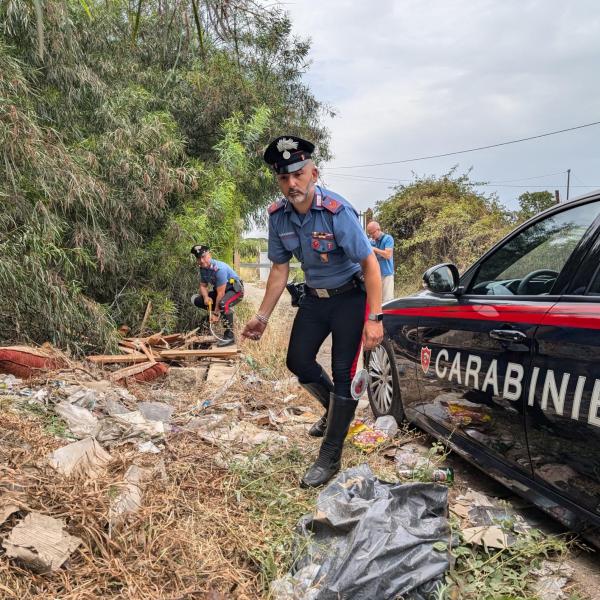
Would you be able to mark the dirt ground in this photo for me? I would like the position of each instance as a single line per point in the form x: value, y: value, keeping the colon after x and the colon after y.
x: 584, y: 560
x: 216, y: 517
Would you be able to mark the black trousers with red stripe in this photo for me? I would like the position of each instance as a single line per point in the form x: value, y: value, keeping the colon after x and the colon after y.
x: 343, y: 316
x: 230, y: 298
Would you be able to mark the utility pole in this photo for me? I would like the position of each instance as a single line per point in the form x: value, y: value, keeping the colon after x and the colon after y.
x: 557, y: 196
x: 568, y: 182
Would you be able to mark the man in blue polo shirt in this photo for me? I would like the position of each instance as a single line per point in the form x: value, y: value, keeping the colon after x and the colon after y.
x: 227, y: 290
x: 383, y: 247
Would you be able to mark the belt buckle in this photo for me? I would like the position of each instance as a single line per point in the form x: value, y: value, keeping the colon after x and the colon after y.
x: 322, y: 293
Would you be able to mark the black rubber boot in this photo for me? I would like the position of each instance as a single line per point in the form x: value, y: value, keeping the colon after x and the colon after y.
x: 341, y: 413
x: 228, y: 337
x: 321, y: 390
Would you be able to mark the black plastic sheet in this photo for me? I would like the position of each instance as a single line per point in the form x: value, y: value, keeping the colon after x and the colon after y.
x: 371, y: 540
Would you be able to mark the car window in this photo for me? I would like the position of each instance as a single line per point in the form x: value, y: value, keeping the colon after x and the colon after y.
x: 594, y: 289
x: 530, y: 262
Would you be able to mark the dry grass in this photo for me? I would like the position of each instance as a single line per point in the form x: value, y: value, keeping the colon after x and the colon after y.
x: 205, y: 531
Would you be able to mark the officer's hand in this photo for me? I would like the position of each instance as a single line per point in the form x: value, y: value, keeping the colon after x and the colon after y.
x: 254, y: 329
x: 372, y: 334
x: 214, y: 318
x: 208, y: 301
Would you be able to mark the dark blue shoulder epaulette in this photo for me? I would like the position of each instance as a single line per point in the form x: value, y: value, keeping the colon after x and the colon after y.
x: 332, y: 205
x: 275, y: 206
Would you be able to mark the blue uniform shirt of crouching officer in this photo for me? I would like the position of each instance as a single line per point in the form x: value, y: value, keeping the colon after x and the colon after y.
x: 217, y: 274
x: 328, y: 241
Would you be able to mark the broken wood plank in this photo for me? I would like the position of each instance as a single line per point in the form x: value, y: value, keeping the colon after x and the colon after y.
x: 105, y: 359
x: 147, y: 352
x: 127, y: 350
x: 216, y: 353
x: 201, y: 339
x: 157, y: 339
x: 172, y: 337
x: 146, y: 315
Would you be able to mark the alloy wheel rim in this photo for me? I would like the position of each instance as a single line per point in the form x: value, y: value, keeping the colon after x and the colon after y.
x: 380, y: 380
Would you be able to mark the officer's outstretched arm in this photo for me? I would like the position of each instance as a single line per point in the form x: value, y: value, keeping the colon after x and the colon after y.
x: 275, y: 285
x: 372, y: 330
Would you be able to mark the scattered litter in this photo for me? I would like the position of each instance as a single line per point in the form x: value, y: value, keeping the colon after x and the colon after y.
x: 80, y: 421
x: 9, y: 381
x: 85, y: 397
x: 40, y: 543
x: 7, y: 508
x: 156, y: 411
x: 129, y: 500
x: 412, y: 456
x: 490, y: 537
x: 114, y: 407
x: 148, y: 448
x: 126, y: 426
x: 386, y: 424
x: 370, y: 539
x: 553, y: 577
x: 487, y: 523
x: 85, y: 458
x: 365, y: 438
x: 244, y: 433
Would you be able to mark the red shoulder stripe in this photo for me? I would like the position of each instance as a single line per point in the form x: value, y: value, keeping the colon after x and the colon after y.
x: 333, y: 206
x: 275, y: 206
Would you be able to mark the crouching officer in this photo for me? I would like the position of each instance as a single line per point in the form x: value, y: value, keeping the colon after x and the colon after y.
x: 227, y: 290
x: 322, y: 231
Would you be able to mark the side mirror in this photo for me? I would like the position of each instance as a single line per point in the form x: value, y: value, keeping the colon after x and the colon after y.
x: 442, y: 279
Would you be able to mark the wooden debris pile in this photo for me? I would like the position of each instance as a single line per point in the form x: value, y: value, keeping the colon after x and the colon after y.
x: 147, y: 357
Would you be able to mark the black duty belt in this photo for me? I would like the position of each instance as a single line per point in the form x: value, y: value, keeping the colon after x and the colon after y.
x: 328, y: 293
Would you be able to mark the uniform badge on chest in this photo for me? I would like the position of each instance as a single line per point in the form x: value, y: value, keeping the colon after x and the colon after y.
x: 323, y: 242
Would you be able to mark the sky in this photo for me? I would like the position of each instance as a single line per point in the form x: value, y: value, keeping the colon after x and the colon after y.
x: 410, y: 78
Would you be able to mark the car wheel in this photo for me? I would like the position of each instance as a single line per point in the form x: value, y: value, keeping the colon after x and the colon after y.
x: 383, y: 388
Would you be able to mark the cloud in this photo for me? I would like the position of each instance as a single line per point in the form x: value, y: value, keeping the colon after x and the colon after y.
x: 411, y: 78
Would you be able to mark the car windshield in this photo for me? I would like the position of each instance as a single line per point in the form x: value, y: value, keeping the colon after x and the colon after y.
x: 531, y: 261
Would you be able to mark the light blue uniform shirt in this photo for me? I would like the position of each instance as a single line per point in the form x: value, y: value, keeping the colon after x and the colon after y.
x: 329, y: 243
x: 385, y: 264
x: 217, y: 274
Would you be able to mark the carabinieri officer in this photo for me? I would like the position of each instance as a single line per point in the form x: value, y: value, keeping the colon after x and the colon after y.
x: 321, y: 229
x: 227, y: 289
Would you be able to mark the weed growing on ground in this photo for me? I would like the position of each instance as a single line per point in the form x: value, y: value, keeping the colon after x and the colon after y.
x: 490, y: 574
x: 267, y: 488
x: 51, y: 423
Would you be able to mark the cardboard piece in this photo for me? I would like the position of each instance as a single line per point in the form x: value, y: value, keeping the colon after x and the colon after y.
x: 40, y: 543
x: 85, y: 458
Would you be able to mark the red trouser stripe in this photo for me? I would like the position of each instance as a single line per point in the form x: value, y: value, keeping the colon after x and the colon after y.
x: 234, y: 297
x: 355, y: 362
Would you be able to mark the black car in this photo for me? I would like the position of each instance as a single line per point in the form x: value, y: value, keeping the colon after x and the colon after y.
x: 503, y: 362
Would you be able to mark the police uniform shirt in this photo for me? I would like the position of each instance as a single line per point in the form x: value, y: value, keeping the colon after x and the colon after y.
x: 217, y: 273
x: 328, y: 241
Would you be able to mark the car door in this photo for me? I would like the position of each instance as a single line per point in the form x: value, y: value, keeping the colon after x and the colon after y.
x: 563, y: 399
x: 477, y: 348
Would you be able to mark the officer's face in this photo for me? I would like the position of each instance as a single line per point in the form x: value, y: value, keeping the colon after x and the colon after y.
x: 297, y: 186
x: 204, y: 260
